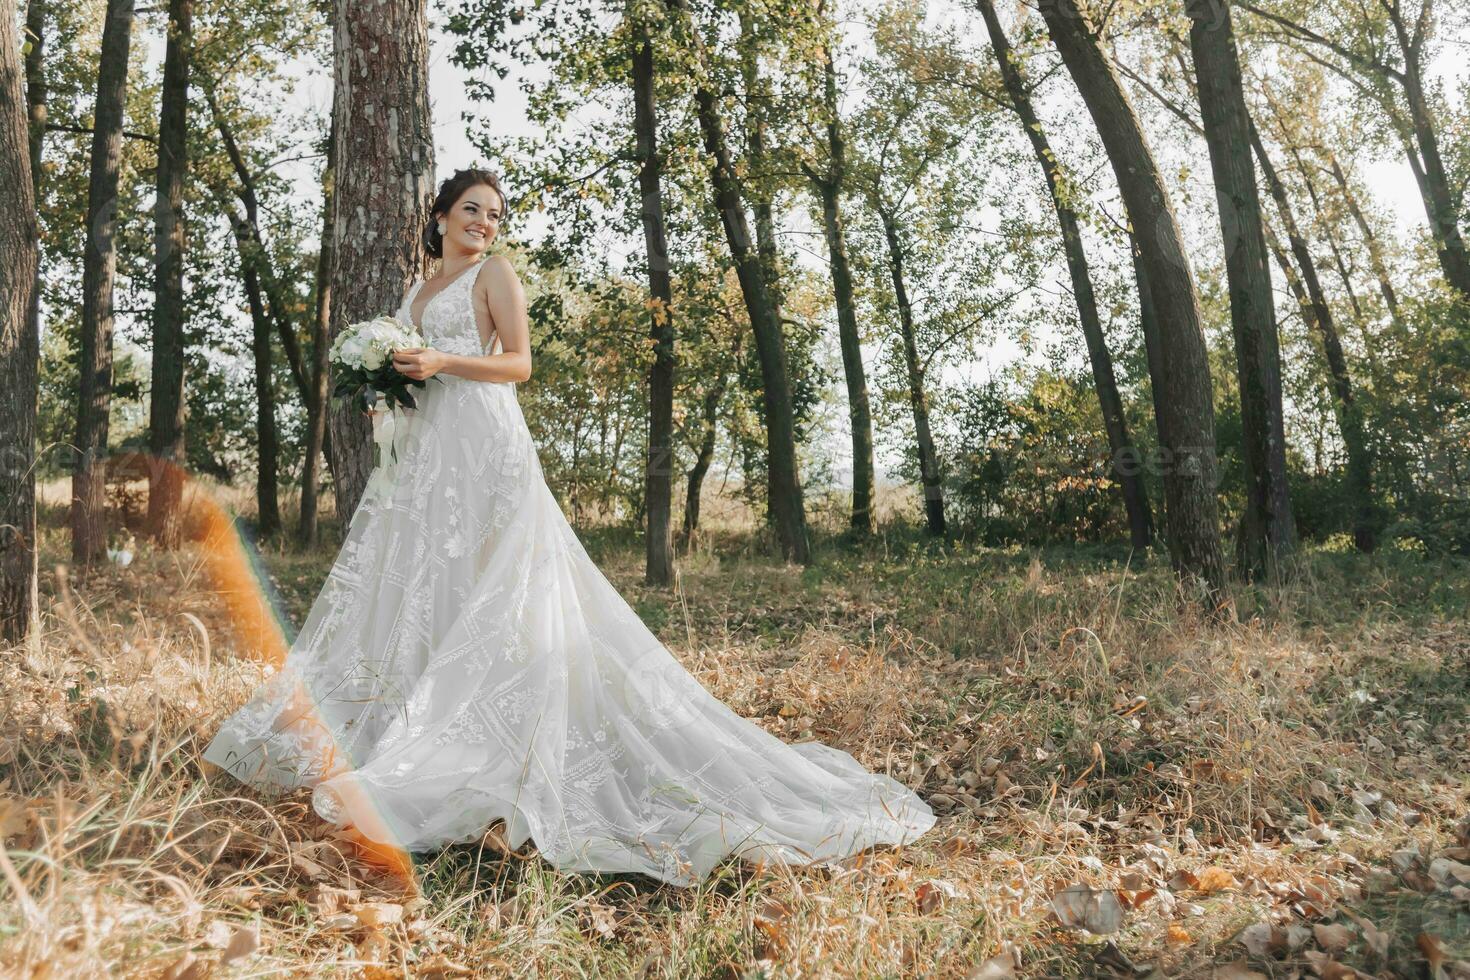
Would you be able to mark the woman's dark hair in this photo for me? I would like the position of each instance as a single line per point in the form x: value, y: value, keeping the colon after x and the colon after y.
x: 450, y: 191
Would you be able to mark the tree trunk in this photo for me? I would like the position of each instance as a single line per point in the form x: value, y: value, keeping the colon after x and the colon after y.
x: 1148, y: 324
x: 784, y: 496
x: 1370, y: 241
x: 1319, y: 315
x: 710, y: 420
x: 316, y: 402
x: 659, y: 484
x: 829, y: 187
x: 265, y: 276
x: 19, y: 354
x: 1440, y: 201
x: 37, y: 12
x: 1183, y: 394
x: 702, y: 461
x: 99, y: 270
x: 1268, y: 532
x: 268, y: 508
x: 167, y: 408
x: 929, y: 476
x: 1126, y: 466
x: 384, y: 168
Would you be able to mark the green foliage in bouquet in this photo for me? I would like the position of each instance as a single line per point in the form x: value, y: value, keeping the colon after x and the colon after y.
x: 362, y: 357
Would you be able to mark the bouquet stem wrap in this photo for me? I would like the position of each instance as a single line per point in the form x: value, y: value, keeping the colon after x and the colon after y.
x: 387, y: 431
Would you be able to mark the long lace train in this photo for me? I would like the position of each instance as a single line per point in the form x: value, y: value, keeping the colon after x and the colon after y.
x: 466, y: 661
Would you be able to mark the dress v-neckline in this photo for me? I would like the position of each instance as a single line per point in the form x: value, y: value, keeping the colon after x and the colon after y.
x: 446, y: 287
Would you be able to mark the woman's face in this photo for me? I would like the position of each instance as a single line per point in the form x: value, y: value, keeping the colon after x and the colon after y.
x: 471, y: 225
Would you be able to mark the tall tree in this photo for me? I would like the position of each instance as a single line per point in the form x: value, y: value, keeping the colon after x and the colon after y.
x: 785, y: 505
x: 659, y: 483
x: 321, y: 328
x: 1318, y: 313
x: 929, y: 476
x: 829, y: 183
x: 1268, y: 530
x: 19, y: 352
x: 1126, y: 463
x: 1386, y: 44
x: 166, y: 415
x: 37, y: 15
x: 1183, y: 394
x: 267, y: 445
x: 99, y: 270
x: 383, y: 166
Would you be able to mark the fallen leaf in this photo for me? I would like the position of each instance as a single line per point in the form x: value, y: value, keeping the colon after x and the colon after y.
x: 1237, y: 971
x: 307, y: 866
x: 1001, y: 966
x: 1434, y: 954
x: 186, y: 967
x: 1377, y: 939
x: 245, y: 941
x: 438, y: 966
x: 1178, y: 934
x: 1327, y: 968
x: 770, y: 919
x: 1080, y: 907
x: 931, y: 895
x: 1262, y: 939
x: 1214, y: 879
x: 328, y: 900
x: 1182, y: 880
x: 604, y: 921
x: 1333, y: 938
x: 376, y: 915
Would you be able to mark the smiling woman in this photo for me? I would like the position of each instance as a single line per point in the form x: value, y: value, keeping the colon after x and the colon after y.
x: 466, y: 218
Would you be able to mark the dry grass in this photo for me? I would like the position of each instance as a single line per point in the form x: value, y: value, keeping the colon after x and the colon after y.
x: 1221, y: 788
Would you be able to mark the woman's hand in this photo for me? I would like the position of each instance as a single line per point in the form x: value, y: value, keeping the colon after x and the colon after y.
x: 419, y: 363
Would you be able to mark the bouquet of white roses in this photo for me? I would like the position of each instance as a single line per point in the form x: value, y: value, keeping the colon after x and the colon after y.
x: 362, y: 356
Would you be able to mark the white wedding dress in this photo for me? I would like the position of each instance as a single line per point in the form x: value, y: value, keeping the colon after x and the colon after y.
x: 466, y: 661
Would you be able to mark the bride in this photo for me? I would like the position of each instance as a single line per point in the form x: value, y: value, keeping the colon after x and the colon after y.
x: 466, y: 661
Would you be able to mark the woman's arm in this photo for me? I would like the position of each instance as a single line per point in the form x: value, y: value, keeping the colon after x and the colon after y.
x: 499, y: 292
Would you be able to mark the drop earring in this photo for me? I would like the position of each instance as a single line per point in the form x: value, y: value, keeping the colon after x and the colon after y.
x: 443, y: 228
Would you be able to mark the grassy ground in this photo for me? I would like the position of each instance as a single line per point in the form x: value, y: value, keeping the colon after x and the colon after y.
x: 1125, y: 789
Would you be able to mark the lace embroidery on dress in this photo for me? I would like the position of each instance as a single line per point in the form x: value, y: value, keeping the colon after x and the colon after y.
x: 466, y: 661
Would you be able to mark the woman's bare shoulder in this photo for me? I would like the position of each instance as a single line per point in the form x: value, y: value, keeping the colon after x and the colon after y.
x: 496, y: 268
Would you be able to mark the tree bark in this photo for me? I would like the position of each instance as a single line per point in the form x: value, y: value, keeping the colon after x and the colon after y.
x: 1319, y: 316
x: 167, y: 406
x: 19, y: 354
x: 384, y: 167
x: 784, y: 495
x: 268, y: 510
x: 1441, y: 203
x: 37, y: 12
x: 659, y: 477
x: 929, y: 477
x: 829, y: 187
x: 1268, y: 532
x: 266, y: 277
x: 1184, y: 395
x: 1126, y: 464
x: 99, y: 270
x: 307, y: 530
x: 702, y: 461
